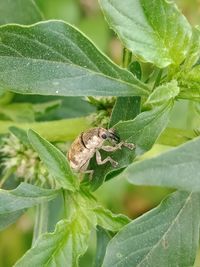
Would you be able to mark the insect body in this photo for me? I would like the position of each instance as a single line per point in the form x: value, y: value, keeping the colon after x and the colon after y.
x: 88, y: 143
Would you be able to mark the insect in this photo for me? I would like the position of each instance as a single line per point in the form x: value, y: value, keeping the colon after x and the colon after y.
x: 88, y: 143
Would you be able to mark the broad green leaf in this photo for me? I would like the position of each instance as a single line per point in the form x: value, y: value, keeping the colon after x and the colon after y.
x: 54, y: 58
x: 125, y: 108
x: 63, y: 247
x: 19, y: 11
x: 7, y: 219
x: 163, y: 93
x: 142, y: 131
x: 58, y: 130
x: 109, y: 221
x: 178, y: 168
x: 165, y: 236
x: 155, y: 31
x: 194, y: 51
x: 103, y: 237
x: 24, y: 196
x: 189, y: 83
x: 55, y: 162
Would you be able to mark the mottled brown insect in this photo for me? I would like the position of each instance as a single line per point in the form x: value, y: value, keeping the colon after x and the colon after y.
x: 89, y: 143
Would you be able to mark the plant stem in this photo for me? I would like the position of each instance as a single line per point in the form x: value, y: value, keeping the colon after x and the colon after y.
x: 127, y: 57
x: 41, y: 221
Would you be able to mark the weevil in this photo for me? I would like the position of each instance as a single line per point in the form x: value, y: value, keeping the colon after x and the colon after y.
x: 88, y: 143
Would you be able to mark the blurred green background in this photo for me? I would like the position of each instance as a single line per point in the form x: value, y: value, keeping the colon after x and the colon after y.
x: 117, y: 194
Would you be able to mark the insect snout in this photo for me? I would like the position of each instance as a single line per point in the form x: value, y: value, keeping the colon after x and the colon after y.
x: 113, y: 135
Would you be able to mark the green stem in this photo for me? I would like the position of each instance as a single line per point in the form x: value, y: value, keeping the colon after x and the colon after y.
x: 64, y: 201
x: 41, y: 221
x: 127, y: 57
x: 158, y: 78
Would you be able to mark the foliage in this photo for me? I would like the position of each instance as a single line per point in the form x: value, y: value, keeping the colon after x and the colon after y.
x: 51, y: 61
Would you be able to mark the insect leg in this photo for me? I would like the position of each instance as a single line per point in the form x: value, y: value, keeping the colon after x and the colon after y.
x: 108, y: 159
x: 118, y: 146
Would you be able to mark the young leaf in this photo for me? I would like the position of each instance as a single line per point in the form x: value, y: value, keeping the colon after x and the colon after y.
x: 165, y: 236
x: 141, y: 131
x: 155, y: 31
x: 24, y: 196
x: 189, y: 83
x: 54, y: 160
x: 178, y: 168
x: 63, y: 247
x: 12, y: 12
x: 194, y: 51
x: 163, y: 93
x: 109, y: 221
x: 54, y: 58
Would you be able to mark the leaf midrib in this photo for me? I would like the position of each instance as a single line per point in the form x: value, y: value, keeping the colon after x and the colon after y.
x: 145, y: 92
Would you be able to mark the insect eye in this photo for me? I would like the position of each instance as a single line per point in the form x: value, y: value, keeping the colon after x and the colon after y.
x: 104, y: 136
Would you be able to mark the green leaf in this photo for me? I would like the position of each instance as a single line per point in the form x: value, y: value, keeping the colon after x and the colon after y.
x: 125, y: 108
x: 7, y: 219
x: 103, y: 237
x: 194, y: 51
x: 12, y: 12
x: 155, y: 31
x: 165, y: 236
x: 58, y: 130
x: 177, y: 168
x: 109, y: 221
x: 24, y: 196
x: 55, y: 162
x: 146, y: 127
x: 63, y: 247
x: 54, y: 58
x: 163, y: 93
x: 189, y: 83
x: 142, y: 131
x: 70, y: 239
